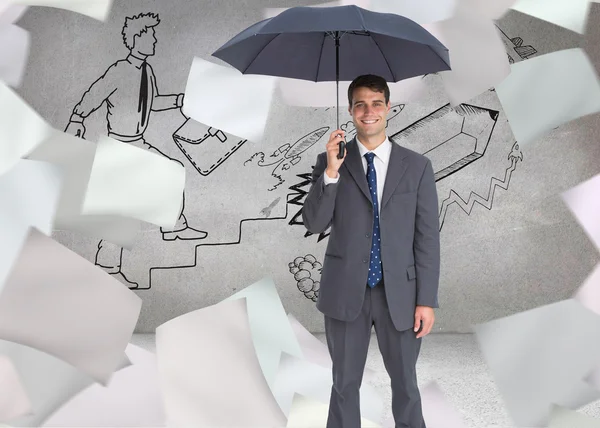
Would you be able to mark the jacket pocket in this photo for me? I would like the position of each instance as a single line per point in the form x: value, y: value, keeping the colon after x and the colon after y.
x: 411, y: 272
x: 335, y: 256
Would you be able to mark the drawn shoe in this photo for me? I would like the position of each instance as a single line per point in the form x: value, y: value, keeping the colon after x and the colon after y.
x: 186, y: 234
x: 121, y: 277
x: 109, y: 269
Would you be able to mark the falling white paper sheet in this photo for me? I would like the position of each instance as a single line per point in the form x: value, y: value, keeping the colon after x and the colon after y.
x: 14, y: 51
x: 14, y: 401
x: 97, y: 9
x: 48, y: 381
x: 589, y: 293
x: 297, y: 375
x: 11, y: 13
x: 75, y: 156
x: 565, y: 418
x: 29, y: 194
x: 310, y: 413
x: 131, y: 399
x: 542, y: 356
x: 206, y: 355
x: 487, y: 9
x: 584, y: 202
x: 271, y: 331
x: 21, y: 128
x: 477, y: 55
x: 315, y: 351
x: 571, y: 14
x: 132, y: 182
x: 422, y: 12
x: 304, y: 93
x: 270, y: 12
x: 594, y: 377
x: 241, y: 110
x: 58, y: 302
x: 273, y: 11
x: 547, y: 91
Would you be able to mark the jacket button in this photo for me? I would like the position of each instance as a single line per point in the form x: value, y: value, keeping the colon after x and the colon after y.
x: 364, y: 260
x: 368, y: 235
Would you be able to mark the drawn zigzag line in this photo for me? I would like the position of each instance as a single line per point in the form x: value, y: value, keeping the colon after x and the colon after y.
x: 467, y: 206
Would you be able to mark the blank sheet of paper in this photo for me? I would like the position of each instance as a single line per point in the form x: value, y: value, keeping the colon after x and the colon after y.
x: 540, y: 357
x: 271, y: 331
x: 547, y: 91
x: 224, y: 98
x: 29, y: 194
x: 75, y: 157
x: 21, y: 128
x: 206, y: 355
x: 132, y: 182
x: 58, y: 302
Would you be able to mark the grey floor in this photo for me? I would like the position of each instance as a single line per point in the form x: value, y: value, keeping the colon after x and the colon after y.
x: 455, y: 363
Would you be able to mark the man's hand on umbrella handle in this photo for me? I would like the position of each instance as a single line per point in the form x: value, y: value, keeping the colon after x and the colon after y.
x: 333, y: 148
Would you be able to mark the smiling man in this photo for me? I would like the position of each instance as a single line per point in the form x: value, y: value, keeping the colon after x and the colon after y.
x: 382, y: 262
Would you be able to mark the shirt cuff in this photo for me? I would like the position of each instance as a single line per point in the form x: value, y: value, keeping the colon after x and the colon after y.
x: 76, y: 118
x: 328, y: 180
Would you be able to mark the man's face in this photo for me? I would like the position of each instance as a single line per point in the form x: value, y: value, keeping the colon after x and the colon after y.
x: 369, y: 112
x: 145, y: 42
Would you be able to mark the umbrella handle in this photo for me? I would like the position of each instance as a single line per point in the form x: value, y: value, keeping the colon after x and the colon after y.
x: 341, y: 147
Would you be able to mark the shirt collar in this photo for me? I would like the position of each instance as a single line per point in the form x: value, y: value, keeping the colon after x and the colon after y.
x: 382, y: 151
x: 135, y: 60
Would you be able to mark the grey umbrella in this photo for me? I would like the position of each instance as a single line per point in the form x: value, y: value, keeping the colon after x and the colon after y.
x: 335, y: 43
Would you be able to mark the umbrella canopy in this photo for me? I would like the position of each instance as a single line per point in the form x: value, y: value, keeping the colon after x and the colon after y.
x: 300, y: 43
x: 335, y: 43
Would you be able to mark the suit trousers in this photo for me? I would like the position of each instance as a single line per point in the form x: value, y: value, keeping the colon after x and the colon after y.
x: 348, y: 344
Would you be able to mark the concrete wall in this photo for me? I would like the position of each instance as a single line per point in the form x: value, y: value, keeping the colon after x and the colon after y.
x: 508, y: 241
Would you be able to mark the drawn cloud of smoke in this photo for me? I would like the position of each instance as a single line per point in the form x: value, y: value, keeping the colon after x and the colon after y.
x: 307, y: 271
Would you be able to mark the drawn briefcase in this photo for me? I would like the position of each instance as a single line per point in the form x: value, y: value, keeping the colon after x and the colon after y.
x: 205, y: 147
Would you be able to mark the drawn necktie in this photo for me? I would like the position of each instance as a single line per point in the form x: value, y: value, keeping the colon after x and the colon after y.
x: 143, y: 100
x: 375, y: 270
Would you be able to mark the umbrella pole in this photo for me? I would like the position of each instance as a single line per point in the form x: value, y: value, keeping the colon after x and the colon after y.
x: 337, y: 91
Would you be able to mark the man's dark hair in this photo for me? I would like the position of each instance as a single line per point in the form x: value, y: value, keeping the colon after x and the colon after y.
x: 371, y: 81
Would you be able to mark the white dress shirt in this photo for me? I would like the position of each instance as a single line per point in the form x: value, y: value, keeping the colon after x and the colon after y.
x: 380, y: 161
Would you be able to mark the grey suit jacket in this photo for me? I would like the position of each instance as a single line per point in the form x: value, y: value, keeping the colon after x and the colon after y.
x: 410, y: 242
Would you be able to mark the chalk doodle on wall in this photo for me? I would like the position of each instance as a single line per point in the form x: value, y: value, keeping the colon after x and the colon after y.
x: 205, y: 147
x: 286, y: 156
x: 266, y: 211
x: 236, y: 241
x: 452, y: 139
x: 307, y: 273
x: 129, y: 90
x: 474, y: 198
x: 515, y: 48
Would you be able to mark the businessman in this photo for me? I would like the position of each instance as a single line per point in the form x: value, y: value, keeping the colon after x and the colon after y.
x: 382, y: 262
x: 129, y: 90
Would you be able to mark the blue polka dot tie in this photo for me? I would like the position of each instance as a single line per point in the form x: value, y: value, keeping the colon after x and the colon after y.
x: 375, y: 269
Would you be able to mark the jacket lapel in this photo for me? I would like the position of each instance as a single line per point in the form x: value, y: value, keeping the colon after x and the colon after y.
x: 354, y: 165
x: 396, y: 169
